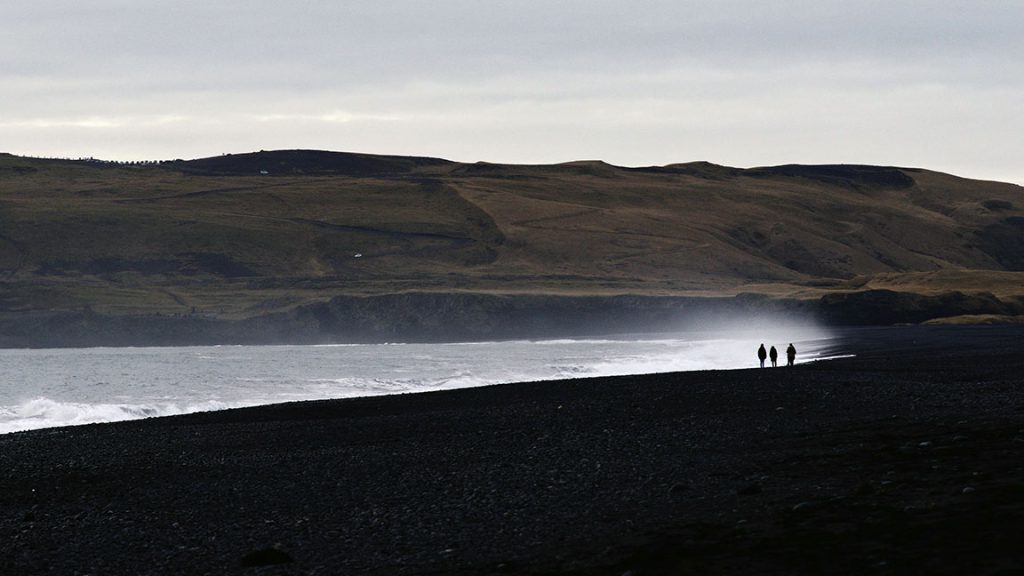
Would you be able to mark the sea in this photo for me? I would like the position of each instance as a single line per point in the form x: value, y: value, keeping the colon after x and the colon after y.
x: 43, y: 388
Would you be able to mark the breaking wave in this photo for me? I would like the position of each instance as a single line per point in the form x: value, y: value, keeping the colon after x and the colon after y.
x: 46, y: 413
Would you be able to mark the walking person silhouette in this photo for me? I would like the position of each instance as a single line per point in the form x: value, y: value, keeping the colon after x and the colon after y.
x: 774, y: 355
x: 790, y: 355
x: 761, y: 355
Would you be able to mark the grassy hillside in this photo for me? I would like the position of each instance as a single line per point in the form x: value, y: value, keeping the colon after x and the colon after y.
x: 245, y: 235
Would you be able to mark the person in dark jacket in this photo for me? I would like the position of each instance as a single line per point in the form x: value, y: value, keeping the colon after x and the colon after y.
x: 774, y: 355
x: 790, y: 355
x: 761, y: 355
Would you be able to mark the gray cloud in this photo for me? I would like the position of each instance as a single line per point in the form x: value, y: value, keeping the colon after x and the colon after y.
x: 933, y: 84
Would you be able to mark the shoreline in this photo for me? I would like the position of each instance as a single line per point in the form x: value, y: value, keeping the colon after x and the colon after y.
x: 447, y: 366
x: 903, y: 459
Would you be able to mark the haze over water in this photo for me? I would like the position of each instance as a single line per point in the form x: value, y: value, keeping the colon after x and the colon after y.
x: 57, y: 387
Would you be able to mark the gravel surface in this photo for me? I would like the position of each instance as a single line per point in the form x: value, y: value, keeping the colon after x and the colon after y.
x: 904, y: 459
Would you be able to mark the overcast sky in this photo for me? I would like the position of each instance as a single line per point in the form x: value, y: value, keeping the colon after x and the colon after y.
x: 934, y: 84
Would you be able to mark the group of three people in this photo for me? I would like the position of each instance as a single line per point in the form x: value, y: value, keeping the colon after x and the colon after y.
x: 774, y: 355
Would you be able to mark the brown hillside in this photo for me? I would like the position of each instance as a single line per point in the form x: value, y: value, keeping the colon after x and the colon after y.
x: 247, y: 234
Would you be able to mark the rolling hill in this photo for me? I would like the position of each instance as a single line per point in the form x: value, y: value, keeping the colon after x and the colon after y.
x: 314, y: 246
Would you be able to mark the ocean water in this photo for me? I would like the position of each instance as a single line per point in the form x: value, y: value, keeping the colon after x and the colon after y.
x: 59, y: 387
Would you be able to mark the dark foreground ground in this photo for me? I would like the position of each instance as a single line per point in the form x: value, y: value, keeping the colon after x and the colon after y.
x: 908, y: 459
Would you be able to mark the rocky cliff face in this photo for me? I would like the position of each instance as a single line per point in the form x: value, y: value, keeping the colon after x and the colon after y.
x: 440, y: 317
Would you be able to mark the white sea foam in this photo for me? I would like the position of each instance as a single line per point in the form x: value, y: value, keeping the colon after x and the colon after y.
x: 46, y: 413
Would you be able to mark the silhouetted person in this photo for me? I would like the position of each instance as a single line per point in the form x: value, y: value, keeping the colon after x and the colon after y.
x: 761, y: 355
x: 774, y: 355
x: 790, y: 355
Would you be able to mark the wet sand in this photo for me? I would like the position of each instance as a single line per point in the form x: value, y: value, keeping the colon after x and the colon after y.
x: 904, y: 459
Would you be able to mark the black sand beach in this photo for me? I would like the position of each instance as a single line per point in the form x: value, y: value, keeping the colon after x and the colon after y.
x: 903, y: 460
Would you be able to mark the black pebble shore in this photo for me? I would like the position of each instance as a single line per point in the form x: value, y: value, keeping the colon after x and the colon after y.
x: 906, y: 459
